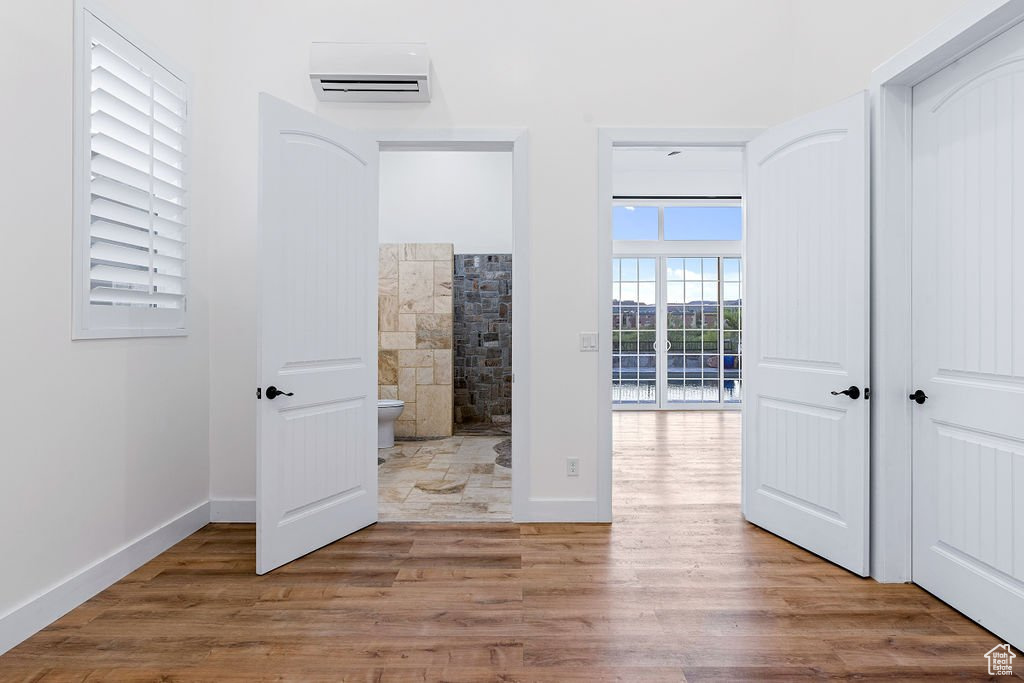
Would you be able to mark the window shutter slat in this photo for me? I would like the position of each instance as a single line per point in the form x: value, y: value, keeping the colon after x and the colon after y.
x: 119, y: 109
x: 110, y: 252
x: 170, y: 228
x: 105, y: 124
x: 115, y: 232
x: 168, y: 154
x: 119, y: 213
x: 117, y: 150
x: 169, y: 118
x: 133, y: 196
x: 120, y: 67
x: 106, y: 80
x: 120, y: 275
x: 170, y: 137
x: 169, y: 174
x: 123, y: 173
x: 110, y: 295
x: 120, y: 193
x: 125, y: 274
x: 124, y: 234
x: 169, y: 101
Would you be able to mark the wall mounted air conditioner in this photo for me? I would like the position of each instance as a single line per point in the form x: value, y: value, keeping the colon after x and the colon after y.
x: 370, y: 72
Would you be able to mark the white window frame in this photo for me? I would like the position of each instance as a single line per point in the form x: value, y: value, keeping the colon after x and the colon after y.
x: 662, y: 249
x: 673, y: 247
x: 118, y: 322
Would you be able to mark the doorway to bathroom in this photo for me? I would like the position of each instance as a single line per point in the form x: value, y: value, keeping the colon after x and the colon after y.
x: 674, y: 300
x: 446, y: 302
x: 318, y: 461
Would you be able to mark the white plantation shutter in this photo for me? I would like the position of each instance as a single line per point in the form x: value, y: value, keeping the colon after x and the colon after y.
x: 131, y: 214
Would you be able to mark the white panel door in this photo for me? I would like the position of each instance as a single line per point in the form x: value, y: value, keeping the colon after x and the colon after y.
x: 968, y: 335
x: 317, y: 443
x: 805, y: 447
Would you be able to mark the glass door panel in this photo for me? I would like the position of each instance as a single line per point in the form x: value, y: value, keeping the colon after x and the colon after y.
x: 692, y: 315
x: 677, y: 327
x: 732, y: 330
x: 635, y: 331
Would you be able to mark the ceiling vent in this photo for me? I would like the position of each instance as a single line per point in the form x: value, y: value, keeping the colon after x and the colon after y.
x: 369, y: 72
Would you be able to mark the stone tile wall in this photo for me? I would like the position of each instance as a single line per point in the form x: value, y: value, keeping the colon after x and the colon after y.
x: 415, y: 335
x: 483, y: 338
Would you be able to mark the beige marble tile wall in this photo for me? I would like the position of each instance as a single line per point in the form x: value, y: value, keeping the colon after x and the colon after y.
x: 415, y: 335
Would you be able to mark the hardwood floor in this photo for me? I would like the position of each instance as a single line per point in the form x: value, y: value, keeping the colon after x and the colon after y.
x: 679, y: 588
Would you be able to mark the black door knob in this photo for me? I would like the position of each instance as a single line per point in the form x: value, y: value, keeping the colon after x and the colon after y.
x: 919, y: 396
x: 852, y: 392
x: 273, y: 392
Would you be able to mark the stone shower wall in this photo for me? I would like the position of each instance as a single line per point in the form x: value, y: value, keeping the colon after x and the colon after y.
x: 482, y: 289
x: 414, y: 360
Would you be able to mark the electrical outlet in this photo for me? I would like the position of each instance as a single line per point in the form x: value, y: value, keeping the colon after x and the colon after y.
x: 572, y: 467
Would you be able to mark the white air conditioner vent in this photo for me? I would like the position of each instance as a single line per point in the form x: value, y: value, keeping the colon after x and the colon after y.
x: 367, y: 72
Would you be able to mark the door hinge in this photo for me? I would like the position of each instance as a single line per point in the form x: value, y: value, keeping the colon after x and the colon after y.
x: 259, y: 392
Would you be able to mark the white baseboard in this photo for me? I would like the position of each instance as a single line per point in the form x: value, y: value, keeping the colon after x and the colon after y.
x: 241, y: 510
x: 53, y: 603
x: 56, y: 601
x: 560, y: 510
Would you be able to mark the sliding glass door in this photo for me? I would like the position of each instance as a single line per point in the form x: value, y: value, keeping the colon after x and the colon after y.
x: 635, y: 333
x: 677, y: 303
x: 676, y: 331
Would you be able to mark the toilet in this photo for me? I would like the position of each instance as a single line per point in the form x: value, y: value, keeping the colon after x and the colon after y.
x: 387, y: 412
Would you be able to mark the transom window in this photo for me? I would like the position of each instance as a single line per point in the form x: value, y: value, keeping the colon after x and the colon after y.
x: 677, y: 220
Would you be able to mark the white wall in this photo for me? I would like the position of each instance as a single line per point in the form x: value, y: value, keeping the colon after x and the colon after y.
x: 102, y: 440
x: 462, y: 197
x: 546, y: 66
x: 693, y: 172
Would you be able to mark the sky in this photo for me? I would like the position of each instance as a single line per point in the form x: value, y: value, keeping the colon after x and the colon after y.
x: 681, y: 222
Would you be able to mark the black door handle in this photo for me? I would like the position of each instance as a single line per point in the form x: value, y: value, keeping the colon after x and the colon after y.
x: 273, y: 392
x: 919, y: 396
x: 852, y: 392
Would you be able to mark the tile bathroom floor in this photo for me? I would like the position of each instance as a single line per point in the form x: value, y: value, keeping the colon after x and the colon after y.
x: 452, y: 479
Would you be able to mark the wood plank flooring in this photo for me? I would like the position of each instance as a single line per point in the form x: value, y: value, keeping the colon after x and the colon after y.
x: 679, y: 588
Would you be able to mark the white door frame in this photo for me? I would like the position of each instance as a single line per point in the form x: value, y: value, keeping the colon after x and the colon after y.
x: 516, y: 141
x: 607, y: 140
x: 891, y: 415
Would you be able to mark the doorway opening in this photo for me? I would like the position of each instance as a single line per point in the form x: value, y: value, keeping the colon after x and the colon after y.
x: 677, y: 324
x: 677, y: 321
x: 672, y: 242
x: 445, y: 307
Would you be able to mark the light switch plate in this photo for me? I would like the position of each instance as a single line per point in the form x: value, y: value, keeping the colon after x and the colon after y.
x: 588, y: 341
